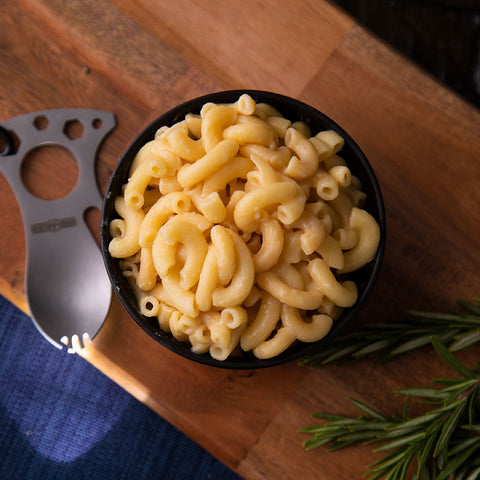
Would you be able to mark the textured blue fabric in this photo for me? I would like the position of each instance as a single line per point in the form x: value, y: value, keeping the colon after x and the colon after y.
x: 60, y: 418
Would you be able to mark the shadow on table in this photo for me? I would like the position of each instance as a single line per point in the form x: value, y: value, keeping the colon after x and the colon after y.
x: 62, y: 418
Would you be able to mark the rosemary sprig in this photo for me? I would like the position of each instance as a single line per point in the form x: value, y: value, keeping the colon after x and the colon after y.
x: 458, y: 330
x: 444, y: 442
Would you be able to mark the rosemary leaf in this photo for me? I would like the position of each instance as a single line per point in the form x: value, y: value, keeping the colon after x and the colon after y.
x: 474, y: 475
x: 448, y: 428
x: 401, y: 441
x: 455, y: 463
x: 340, y: 353
x: 327, y: 416
x: 436, y: 318
x: 378, y: 475
x: 362, y: 436
x: 474, y: 428
x: 451, y: 360
x: 379, y: 426
x: 448, y: 381
x: 368, y: 410
x: 376, y: 346
x: 464, y: 445
x: 472, y: 404
x: 315, y: 442
x: 425, y: 454
x: 460, y: 385
x: 415, y: 422
x: 386, y: 461
x: 465, y: 340
x: 471, y: 305
x: 411, y: 345
x: 421, y: 392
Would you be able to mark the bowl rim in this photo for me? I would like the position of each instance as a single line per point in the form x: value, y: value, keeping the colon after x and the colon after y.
x: 171, y: 116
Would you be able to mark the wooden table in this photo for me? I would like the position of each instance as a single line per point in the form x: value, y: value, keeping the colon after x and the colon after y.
x: 137, y: 59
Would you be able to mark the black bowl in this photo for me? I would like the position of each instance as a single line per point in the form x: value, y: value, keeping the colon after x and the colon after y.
x: 294, y: 110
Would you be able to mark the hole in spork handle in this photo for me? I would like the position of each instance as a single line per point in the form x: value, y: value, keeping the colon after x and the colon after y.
x: 49, y: 172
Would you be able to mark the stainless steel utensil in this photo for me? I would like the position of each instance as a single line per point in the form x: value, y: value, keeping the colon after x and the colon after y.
x: 66, y: 284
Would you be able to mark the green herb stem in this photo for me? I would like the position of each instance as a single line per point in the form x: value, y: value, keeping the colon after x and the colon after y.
x: 444, y: 441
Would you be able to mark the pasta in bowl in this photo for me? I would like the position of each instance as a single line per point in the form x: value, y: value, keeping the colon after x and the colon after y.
x: 243, y: 229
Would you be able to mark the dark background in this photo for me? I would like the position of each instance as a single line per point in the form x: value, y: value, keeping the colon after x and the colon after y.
x: 440, y: 36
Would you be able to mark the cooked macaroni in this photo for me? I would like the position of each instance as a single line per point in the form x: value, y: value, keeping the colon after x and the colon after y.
x: 234, y: 226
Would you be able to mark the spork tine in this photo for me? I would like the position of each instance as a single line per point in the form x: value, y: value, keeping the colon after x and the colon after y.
x: 66, y: 285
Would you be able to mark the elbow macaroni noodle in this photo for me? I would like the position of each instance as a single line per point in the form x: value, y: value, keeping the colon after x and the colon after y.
x: 234, y: 227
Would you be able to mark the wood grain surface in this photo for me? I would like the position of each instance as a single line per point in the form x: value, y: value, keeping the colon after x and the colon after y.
x: 137, y: 59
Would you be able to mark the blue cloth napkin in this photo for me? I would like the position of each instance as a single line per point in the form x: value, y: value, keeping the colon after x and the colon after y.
x: 61, y: 418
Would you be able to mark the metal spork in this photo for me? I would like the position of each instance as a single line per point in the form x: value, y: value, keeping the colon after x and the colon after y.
x: 66, y: 285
